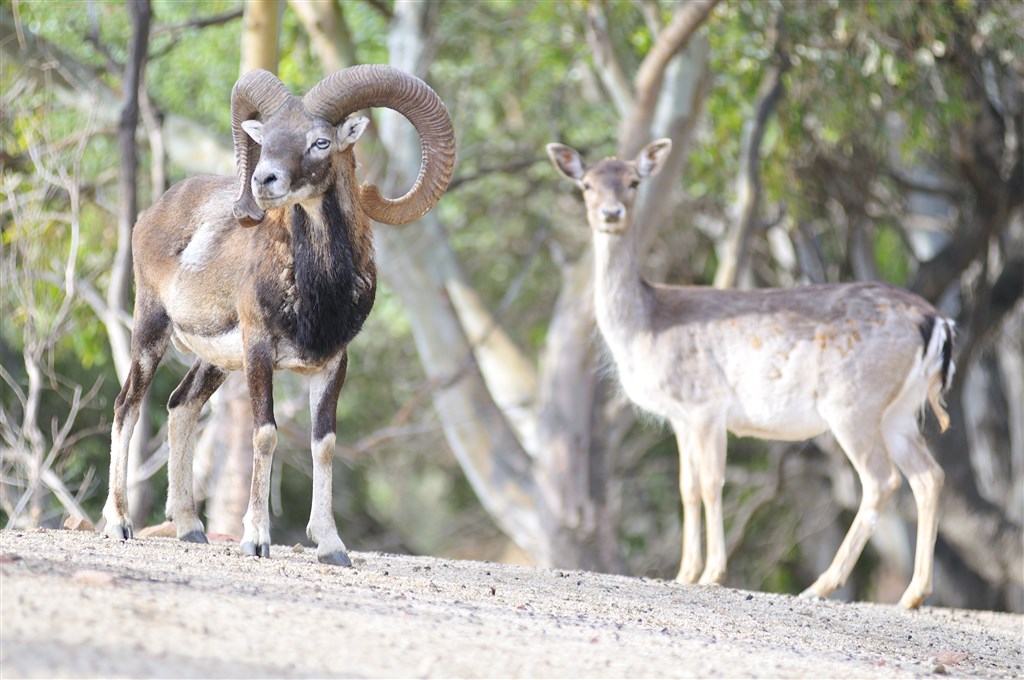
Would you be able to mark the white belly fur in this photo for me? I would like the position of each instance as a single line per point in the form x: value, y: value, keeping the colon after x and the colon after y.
x: 225, y: 351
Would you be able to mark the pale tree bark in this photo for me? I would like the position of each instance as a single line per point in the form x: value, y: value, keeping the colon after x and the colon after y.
x: 324, y: 21
x: 261, y: 25
x: 635, y: 128
x: 459, y: 342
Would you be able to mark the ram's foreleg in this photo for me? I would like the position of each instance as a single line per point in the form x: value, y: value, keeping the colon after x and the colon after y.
x: 259, y: 373
x: 323, y: 402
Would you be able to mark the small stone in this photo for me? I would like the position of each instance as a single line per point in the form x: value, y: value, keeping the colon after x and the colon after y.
x: 166, y: 530
x: 938, y: 668
x: 75, y: 523
x: 93, y: 577
x: 297, y: 548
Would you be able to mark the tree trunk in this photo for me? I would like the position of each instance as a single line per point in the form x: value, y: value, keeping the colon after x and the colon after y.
x: 733, y: 252
x: 420, y: 267
x: 140, y: 494
x: 261, y: 24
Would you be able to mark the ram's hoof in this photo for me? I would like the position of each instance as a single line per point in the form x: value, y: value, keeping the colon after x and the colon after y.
x: 119, y: 531
x: 194, y: 536
x: 252, y: 550
x: 338, y: 558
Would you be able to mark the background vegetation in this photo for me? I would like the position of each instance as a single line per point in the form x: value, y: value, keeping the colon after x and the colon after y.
x: 882, y: 141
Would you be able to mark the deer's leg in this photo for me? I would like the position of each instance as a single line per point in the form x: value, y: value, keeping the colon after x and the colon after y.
x: 879, y: 480
x: 908, y: 450
x: 689, y: 490
x: 259, y: 373
x: 711, y: 441
x: 183, y: 410
x: 323, y: 404
x: 149, y: 342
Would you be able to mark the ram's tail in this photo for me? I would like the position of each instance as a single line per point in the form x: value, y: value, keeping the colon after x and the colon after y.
x: 937, y: 362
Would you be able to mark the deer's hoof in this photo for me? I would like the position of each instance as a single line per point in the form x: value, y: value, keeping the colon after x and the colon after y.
x: 338, y: 558
x: 912, y: 600
x: 252, y: 550
x: 194, y: 536
x: 811, y: 594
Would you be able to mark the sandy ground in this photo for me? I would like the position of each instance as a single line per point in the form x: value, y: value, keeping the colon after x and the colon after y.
x: 73, y: 604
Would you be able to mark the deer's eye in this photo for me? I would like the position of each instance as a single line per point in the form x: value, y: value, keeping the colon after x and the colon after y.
x: 322, y: 143
x: 634, y: 184
x: 587, y: 186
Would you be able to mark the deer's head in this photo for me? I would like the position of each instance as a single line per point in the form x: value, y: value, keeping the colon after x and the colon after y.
x: 609, y: 187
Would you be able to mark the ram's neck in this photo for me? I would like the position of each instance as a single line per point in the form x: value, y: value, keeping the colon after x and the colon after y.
x: 335, y: 276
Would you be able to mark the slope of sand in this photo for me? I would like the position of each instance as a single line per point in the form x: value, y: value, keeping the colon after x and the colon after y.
x: 73, y: 604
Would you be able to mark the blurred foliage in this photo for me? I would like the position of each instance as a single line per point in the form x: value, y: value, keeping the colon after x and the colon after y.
x: 870, y: 87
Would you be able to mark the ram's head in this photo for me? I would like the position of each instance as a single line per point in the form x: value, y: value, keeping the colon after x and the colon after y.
x: 289, y: 149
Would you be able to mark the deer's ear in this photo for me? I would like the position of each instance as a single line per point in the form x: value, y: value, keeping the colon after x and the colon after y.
x: 567, y: 161
x: 652, y: 157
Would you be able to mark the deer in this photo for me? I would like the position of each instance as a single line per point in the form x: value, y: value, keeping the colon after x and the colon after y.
x: 858, y: 360
x: 270, y: 270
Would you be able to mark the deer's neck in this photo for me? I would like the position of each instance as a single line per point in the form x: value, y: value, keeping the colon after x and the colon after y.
x: 622, y: 299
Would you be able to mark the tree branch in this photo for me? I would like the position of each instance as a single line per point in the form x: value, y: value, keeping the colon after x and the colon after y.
x: 382, y: 9
x: 200, y: 22
x: 733, y: 254
x: 606, y: 60
x: 510, y: 167
x: 635, y: 127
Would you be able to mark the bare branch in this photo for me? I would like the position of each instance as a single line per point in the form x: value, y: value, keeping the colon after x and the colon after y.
x: 200, y: 22
x: 514, y: 166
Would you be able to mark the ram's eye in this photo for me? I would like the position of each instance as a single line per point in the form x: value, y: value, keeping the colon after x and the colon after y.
x: 322, y: 143
x: 587, y: 186
x: 634, y: 184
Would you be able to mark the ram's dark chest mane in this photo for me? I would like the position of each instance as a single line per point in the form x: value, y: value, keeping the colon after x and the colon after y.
x: 332, y: 295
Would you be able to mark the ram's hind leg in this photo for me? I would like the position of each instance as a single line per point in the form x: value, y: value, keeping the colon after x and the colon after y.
x: 323, y: 403
x: 183, y: 410
x: 149, y: 342
x: 259, y: 373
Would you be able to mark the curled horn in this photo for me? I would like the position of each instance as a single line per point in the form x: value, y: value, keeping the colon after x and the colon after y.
x: 367, y: 86
x: 256, y: 95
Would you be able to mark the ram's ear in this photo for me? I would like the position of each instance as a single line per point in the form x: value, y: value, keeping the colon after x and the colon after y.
x: 567, y: 161
x: 351, y: 130
x: 254, y: 129
x: 652, y: 157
